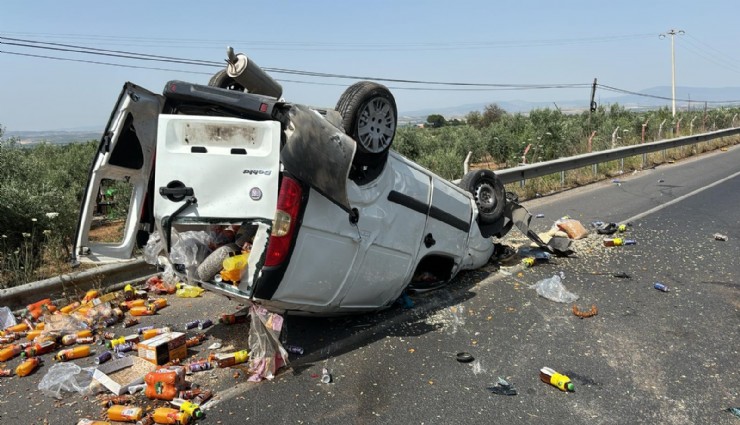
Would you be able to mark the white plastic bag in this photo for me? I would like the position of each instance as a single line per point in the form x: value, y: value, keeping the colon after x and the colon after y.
x: 66, y: 377
x: 153, y: 248
x: 266, y: 353
x: 553, y: 289
x: 6, y: 318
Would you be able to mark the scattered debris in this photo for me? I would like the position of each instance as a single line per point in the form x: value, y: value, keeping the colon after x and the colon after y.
x: 734, y: 410
x: 584, y: 314
x: 660, y: 287
x: 464, y: 357
x: 556, y: 379
x: 325, y: 376
x: 720, y: 237
x: 503, y: 387
x: 553, y: 289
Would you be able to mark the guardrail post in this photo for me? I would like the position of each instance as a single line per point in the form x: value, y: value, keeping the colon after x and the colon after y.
x: 562, y: 179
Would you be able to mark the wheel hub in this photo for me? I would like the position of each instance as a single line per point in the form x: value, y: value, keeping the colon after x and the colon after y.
x: 485, y: 197
x: 376, y: 125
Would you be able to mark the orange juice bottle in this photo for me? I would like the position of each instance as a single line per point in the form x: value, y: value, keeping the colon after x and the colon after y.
x: 151, y: 333
x: 27, y: 367
x: 20, y: 327
x: 142, y: 311
x: 9, y: 352
x: 90, y: 295
x: 73, y: 353
x: 31, y: 335
x: 122, y: 413
x: 69, y: 307
x: 134, y: 303
x: 165, y: 415
x: 40, y: 326
x: 159, y: 303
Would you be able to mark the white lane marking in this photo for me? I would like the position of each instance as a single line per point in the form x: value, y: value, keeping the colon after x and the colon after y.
x: 680, y: 198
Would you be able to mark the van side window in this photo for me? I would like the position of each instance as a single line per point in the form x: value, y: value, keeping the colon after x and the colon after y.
x: 127, y: 152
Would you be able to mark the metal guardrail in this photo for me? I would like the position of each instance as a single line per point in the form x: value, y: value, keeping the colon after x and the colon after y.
x: 110, y: 276
x: 539, y: 169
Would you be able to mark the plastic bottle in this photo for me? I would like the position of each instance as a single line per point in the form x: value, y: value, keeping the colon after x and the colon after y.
x: 232, y: 359
x: 39, y: 348
x: 90, y: 295
x: 188, y: 407
x: 122, y: 413
x: 619, y: 242
x: 20, y: 327
x: 128, y: 292
x: 133, y: 303
x: 73, y: 353
x: 166, y: 415
x: 9, y: 352
x: 151, y: 333
x: 142, y: 311
x: 69, y: 307
x: 159, y: 303
x: 561, y: 381
x: 31, y: 335
x: 27, y: 366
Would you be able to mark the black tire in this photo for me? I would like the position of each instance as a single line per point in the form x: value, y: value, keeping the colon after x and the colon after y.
x: 488, y: 192
x: 370, y: 117
x: 221, y: 79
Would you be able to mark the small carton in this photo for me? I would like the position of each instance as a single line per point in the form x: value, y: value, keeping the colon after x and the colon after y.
x: 119, y: 374
x: 163, y: 348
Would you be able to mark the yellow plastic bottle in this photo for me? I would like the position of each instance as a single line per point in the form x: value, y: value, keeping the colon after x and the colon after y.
x: 165, y: 415
x: 85, y: 421
x: 556, y: 379
x: 122, y: 413
x: 73, y: 353
x: 27, y: 367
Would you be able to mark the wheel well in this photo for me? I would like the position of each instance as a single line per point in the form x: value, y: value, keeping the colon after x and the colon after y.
x: 439, y: 266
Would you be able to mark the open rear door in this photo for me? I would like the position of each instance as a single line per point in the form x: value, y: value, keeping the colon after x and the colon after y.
x: 115, y: 200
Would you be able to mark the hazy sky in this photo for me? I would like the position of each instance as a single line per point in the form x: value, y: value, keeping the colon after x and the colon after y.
x: 495, y: 42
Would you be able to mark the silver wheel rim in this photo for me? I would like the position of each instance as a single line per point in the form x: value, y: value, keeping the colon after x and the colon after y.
x: 485, y: 196
x: 376, y: 125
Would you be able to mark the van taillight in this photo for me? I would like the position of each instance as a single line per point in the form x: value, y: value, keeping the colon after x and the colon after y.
x: 286, y: 216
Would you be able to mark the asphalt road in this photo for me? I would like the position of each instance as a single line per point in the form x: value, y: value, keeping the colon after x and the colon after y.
x: 647, y: 357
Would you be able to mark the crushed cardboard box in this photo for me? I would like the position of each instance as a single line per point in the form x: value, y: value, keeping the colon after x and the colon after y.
x: 119, y: 374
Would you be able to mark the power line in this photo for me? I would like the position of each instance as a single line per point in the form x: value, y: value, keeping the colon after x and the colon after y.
x: 338, y: 46
x: 437, y: 85
x: 132, y: 55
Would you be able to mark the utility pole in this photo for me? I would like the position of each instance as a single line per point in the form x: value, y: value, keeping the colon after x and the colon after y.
x: 673, y: 34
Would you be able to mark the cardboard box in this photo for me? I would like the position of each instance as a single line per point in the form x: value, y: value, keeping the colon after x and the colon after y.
x: 163, y: 348
x: 119, y: 374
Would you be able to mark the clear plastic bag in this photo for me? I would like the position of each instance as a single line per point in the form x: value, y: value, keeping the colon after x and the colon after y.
x: 153, y: 248
x: 7, y: 318
x: 553, y: 289
x: 189, y: 248
x: 266, y: 353
x: 66, y: 377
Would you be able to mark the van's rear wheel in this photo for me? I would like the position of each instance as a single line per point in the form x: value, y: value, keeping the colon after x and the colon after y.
x: 488, y: 192
x: 370, y: 117
x: 221, y: 79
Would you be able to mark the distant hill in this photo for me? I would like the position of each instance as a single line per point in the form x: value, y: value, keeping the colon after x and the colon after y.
x: 723, y: 96
x: 62, y: 137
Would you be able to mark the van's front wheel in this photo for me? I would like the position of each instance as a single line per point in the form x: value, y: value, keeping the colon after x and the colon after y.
x: 488, y: 192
